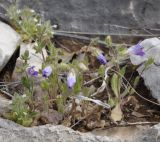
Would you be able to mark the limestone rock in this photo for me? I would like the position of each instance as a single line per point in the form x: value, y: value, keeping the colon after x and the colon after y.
x: 151, y: 74
x: 96, y: 16
x: 150, y: 135
x: 11, y: 132
x: 9, y: 41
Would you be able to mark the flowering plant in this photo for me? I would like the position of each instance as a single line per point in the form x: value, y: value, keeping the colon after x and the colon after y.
x: 60, y: 81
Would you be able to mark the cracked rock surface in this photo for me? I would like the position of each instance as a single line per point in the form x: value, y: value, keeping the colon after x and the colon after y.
x: 12, y: 132
x: 95, y: 16
x: 150, y: 135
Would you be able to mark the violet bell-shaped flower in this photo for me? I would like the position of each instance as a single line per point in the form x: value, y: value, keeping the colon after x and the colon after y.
x: 32, y: 72
x: 102, y: 59
x: 71, y: 79
x: 47, y: 71
x: 136, y: 50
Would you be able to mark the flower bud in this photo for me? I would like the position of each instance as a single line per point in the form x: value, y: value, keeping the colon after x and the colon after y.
x: 71, y: 79
x: 102, y: 59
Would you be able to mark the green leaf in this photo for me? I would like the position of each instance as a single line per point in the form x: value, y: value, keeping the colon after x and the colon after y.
x: 18, y: 104
x: 148, y: 63
x: 136, y: 81
x: 112, y: 102
x: 88, y: 90
x: 46, y: 103
x: 115, y: 85
x: 108, y: 41
x: 126, y: 91
x: 64, y: 88
x: 26, y: 53
x: 27, y: 122
x: 78, y: 85
x: 45, y: 85
x: 25, y: 56
x: 121, y: 51
x: 60, y: 103
x: 122, y: 71
x: 101, y: 70
x: 28, y: 83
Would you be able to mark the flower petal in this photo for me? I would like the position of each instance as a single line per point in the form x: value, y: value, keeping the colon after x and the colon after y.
x: 47, y: 71
x: 71, y: 79
x: 136, y: 50
x: 31, y: 71
x: 102, y: 59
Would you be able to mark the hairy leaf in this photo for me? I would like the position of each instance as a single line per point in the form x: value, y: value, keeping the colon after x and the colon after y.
x: 114, y: 84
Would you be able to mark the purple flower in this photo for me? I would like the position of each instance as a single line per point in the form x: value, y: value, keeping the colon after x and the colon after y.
x: 136, y: 50
x: 71, y: 79
x: 46, y: 72
x: 32, y: 72
x: 102, y: 59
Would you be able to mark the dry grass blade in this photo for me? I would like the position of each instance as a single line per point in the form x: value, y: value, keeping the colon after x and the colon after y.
x: 98, y: 102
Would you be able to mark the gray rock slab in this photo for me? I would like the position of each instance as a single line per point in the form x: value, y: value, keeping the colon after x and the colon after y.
x: 96, y: 16
x: 150, y: 135
x: 11, y: 132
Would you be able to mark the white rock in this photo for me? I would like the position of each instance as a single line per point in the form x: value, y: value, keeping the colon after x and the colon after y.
x: 9, y: 41
x: 35, y: 58
x: 151, y: 75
